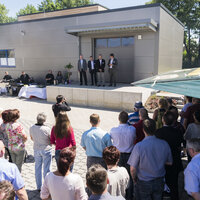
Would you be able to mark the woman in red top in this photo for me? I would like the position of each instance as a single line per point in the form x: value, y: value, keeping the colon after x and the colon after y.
x: 62, y: 134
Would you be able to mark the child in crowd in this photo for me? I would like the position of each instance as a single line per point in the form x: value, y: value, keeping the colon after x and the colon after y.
x: 118, y: 176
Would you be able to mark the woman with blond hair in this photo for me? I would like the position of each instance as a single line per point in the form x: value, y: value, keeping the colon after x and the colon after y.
x: 62, y: 134
x: 159, y: 112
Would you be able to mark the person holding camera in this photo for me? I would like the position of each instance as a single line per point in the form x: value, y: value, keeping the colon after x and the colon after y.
x: 61, y: 105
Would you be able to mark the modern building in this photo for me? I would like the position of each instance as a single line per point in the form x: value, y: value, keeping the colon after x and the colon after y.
x: 146, y: 40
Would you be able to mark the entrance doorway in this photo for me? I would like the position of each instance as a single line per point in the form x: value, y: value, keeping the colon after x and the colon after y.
x: 123, y: 49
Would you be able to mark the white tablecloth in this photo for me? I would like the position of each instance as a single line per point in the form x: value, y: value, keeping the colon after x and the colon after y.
x: 28, y: 91
x: 3, y: 87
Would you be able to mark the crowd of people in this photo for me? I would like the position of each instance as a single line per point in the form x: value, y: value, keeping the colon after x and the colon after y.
x: 138, y: 159
x: 96, y: 69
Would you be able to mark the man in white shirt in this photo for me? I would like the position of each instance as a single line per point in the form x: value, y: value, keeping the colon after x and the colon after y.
x: 123, y: 138
x: 192, y: 175
x: 100, y: 70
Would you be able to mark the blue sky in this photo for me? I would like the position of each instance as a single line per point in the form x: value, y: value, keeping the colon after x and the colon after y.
x: 14, y: 5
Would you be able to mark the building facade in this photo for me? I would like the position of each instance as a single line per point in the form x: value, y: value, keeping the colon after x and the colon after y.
x: 146, y: 40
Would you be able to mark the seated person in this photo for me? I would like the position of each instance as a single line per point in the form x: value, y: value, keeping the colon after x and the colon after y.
x: 59, y: 77
x: 7, y: 77
x: 96, y: 181
x: 61, y: 105
x: 118, y: 176
x: 49, y: 78
x: 134, y: 117
x: 24, y: 78
x: 7, y: 191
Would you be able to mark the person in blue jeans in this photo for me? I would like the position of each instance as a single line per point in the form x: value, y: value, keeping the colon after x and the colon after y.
x: 147, y: 164
x: 40, y: 134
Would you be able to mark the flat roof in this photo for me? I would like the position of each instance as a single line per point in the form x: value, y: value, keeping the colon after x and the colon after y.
x: 62, y: 12
x: 101, y: 12
x: 96, y: 4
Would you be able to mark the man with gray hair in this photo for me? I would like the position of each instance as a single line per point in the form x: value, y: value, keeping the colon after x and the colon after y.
x: 192, y: 175
x: 40, y: 134
x: 82, y: 68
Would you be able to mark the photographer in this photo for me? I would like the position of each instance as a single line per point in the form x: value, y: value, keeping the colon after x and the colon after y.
x: 61, y: 105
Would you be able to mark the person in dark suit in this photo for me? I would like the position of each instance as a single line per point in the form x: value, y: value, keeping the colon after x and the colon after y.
x: 24, y: 78
x: 174, y: 138
x: 82, y: 68
x: 7, y: 77
x: 93, y: 70
x: 112, y: 64
x: 100, y: 63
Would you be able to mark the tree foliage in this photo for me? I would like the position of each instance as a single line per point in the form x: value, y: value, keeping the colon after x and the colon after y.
x: 50, y: 5
x: 188, y: 12
x: 72, y: 3
x: 29, y: 9
x: 4, y: 15
x: 47, y: 5
x: 44, y: 6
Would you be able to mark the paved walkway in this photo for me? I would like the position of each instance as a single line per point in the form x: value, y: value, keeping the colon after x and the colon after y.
x: 79, y: 118
x: 28, y: 171
x: 80, y: 122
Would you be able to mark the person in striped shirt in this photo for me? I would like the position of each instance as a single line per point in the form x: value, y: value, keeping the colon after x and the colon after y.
x: 134, y: 117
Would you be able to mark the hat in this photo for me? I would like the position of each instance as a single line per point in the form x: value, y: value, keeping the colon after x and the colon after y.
x: 138, y: 104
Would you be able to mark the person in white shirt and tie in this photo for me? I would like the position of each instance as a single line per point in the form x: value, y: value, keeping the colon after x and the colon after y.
x: 92, y: 70
x: 100, y: 70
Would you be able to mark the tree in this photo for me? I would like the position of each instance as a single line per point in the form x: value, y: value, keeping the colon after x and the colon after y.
x: 188, y: 12
x: 63, y: 4
x: 47, y: 5
x: 29, y: 9
x: 81, y: 2
x: 3, y: 14
x: 44, y: 6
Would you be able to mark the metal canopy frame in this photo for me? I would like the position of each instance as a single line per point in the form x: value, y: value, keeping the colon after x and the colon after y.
x: 136, y: 25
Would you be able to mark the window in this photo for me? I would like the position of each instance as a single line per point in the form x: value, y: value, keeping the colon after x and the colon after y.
x: 114, y: 42
x: 127, y: 41
x: 101, y: 43
x: 7, y: 58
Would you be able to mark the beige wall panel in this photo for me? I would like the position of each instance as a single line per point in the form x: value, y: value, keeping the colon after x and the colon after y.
x: 170, y: 43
